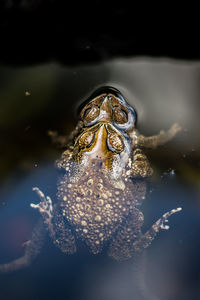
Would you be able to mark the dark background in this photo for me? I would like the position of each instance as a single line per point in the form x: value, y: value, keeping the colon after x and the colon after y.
x: 74, y: 32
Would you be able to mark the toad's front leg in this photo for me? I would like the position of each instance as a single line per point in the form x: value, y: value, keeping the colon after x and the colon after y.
x: 154, y: 141
x: 58, y: 229
x: 140, y: 164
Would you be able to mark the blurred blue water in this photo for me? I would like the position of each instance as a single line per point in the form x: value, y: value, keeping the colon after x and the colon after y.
x: 172, y: 264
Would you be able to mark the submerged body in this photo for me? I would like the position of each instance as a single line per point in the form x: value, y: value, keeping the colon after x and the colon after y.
x: 96, y: 206
x: 103, y: 184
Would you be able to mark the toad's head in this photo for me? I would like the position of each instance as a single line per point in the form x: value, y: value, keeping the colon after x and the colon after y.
x: 107, y: 105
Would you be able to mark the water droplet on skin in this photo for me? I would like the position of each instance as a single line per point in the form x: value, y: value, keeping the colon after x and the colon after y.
x: 98, y: 218
x: 83, y: 223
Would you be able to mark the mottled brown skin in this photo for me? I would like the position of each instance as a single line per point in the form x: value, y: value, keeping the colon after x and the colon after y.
x: 103, y: 186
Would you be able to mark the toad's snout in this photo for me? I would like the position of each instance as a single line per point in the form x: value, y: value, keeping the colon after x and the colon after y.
x: 105, y: 114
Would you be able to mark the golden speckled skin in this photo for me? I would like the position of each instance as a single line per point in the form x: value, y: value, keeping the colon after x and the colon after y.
x: 97, y: 193
x: 103, y: 184
x: 104, y: 181
x: 94, y: 207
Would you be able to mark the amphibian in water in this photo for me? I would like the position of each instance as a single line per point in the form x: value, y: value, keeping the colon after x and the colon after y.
x: 103, y: 184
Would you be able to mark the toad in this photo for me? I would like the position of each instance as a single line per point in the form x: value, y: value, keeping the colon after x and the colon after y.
x: 102, y: 187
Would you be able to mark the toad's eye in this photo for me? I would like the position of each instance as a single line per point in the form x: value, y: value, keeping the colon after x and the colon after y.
x: 120, y: 116
x: 86, y: 139
x: 124, y: 117
x: 90, y: 114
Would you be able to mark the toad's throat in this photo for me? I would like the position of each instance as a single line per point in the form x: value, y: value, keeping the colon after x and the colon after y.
x: 101, y: 142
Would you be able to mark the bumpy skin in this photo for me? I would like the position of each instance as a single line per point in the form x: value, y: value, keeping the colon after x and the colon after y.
x: 94, y: 207
x: 103, y: 184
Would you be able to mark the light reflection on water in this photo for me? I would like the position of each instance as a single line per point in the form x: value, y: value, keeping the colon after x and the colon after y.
x: 172, y: 261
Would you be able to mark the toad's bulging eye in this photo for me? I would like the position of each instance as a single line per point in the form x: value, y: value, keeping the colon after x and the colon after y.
x: 115, y: 143
x: 90, y: 114
x: 86, y: 139
x: 120, y: 116
x: 124, y: 118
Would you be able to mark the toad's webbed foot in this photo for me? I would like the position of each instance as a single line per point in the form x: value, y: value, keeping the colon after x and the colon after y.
x: 174, y: 129
x: 148, y: 237
x: 45, y: 207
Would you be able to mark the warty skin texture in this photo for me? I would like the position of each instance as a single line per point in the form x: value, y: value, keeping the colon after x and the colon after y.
x: 103, y: 186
